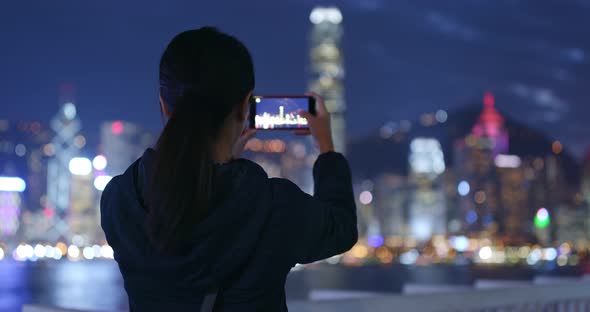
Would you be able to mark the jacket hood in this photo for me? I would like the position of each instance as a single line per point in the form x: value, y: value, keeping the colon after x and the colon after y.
x: 219, y: 247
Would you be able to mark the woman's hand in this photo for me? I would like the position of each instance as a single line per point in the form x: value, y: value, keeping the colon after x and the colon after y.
x: 319, y: 124
x: 246, y: 135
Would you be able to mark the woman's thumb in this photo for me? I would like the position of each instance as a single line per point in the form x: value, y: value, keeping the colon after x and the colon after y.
x: 304, y: 114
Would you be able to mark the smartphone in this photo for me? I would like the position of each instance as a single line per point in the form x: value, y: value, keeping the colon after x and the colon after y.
x: 280, y: 112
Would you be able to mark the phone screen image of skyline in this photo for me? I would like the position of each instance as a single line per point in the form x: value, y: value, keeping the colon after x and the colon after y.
x: 280, y: 113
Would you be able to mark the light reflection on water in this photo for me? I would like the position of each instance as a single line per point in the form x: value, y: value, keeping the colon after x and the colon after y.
x: 89, y: 285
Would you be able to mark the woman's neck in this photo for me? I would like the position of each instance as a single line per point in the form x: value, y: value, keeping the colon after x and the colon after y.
x: 222, y: 152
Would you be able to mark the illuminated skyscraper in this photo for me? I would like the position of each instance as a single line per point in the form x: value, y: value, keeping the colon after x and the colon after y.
x: 489, y: 129
x: 474, y: 165
x: 64, y: 146
x: 427, y: 210
x: 327, y: 70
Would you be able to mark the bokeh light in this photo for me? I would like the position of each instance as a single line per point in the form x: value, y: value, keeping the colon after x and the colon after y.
x: 366, y: 197
x: 463, y: 188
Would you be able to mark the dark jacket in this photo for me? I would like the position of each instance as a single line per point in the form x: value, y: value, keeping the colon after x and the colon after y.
x: 244, y: 247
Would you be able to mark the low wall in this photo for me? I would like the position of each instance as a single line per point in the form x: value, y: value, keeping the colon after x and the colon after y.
x: 566, y: 296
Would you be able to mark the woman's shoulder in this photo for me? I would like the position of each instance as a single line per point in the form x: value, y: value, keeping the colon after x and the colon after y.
x: 284, y: 186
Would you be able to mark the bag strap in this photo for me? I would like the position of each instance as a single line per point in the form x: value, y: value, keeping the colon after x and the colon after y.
x: 209, y: 301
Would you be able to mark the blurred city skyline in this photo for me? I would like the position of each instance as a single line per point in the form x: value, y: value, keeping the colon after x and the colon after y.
x: 459, y: 121
x: 402, y: 59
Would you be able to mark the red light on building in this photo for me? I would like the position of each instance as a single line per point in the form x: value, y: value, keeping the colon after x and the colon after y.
x: 48, y: 212
x: 488, y: 99
x: 117, y: 127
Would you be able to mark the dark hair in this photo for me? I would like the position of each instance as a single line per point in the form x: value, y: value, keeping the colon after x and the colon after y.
x: 204, y: 76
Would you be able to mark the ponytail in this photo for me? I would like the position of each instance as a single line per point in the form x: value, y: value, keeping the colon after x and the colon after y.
x: 181, y: 182
x: 204, y: 75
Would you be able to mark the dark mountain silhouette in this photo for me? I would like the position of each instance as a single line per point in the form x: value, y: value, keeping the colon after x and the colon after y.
x: 374, y: 155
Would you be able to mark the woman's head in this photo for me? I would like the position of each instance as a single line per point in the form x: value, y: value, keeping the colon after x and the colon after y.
x: 206, y: 79
x: 208, y: 75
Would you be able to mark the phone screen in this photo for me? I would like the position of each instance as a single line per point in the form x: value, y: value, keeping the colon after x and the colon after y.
x: 274, y: 112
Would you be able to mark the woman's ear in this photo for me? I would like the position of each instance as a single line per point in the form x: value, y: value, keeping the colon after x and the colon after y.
x: 244, y: 107
x: 164, y: 108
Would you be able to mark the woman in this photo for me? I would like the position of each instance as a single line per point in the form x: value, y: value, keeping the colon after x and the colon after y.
x: 193, y: 226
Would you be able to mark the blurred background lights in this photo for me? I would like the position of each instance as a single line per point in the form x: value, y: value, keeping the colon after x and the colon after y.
x: 557, y: 147
x: 80, y: 166
x: 69, y: 110
x: 471, y: 217
x: 88, y: 253
x: 359, y: 251
x: 426, y: 157
x: 20, y: 150
x: 106, y: 251
x: 409, y: 257
x: 441, y: 116
x: 463, y: 188
x: 117, y: 127
x: 101, y: 182
x: 480, y: 197
x: 365, y: 197
x: 542, y: 219
x: 96, y: 250
x: 460, y: 243
x: 39, y: 251
x: 25, y: 251
x: 485, y: 253
x: 62, y: 248
x: 534, y: 257
x: 375, y: 240
x: 49, y: 251
x: 565, y: 249
x: 550, y: 254
x: 80, y: 141
x: 12, y: 184
x: 325, y: 14
x: 73, y: 251
x: 507, y: 161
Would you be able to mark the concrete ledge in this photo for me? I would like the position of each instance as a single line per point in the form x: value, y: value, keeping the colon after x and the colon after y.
x: 38, y: 308
x: 559, y: 296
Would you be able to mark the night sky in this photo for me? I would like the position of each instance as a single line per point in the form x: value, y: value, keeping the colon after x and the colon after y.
x: 403, y: 58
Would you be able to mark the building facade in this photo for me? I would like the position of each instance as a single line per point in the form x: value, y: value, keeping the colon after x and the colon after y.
x: 327, y: 69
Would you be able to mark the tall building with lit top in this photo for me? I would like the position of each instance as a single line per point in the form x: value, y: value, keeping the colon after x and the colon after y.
x: 489, y: 130
x: 427, y: 204
x: 122, y: 142
x: 327, y: 69
x: 474, y: 165
x: 64, y: 146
